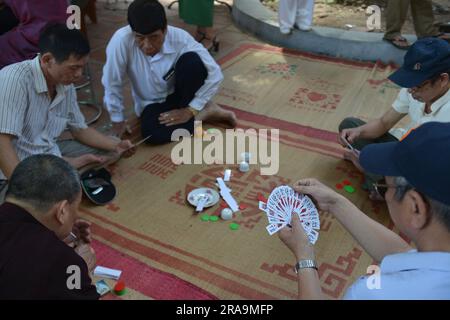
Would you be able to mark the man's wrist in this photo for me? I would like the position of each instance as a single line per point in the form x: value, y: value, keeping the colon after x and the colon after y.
x: 340, y: 204
x: 195, y: 112
x: 307, y: 254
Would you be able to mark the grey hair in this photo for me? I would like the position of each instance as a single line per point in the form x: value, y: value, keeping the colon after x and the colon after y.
x: 44, y: 180
x: 439, y: 209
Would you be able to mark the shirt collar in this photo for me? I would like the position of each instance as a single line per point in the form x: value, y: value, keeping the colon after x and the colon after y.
x: 39, y: 79
x: 438, y: 104
x: 10, y: 212
x: 168, y: 45
x: 412, y: 260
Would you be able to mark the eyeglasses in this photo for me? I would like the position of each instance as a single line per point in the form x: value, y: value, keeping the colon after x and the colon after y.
x: 382, y: 188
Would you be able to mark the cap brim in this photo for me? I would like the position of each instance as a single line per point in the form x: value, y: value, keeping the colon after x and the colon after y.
x: 378, y: 158
x: 407, y: 78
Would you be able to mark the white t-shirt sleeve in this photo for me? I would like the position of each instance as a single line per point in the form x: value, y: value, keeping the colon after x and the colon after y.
x: 402, y: 103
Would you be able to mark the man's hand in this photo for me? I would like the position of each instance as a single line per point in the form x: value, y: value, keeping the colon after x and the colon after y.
x: 296, y: 240
x: 82, y: 230
x: 85, y: 159
x: 125, y: 148
x: 350, y: 135
x: 86, y: 252
x: 119, y: 128
x: 324, y: 197
x: 174, y: 117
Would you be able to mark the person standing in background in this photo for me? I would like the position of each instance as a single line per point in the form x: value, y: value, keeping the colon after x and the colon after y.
x: 423, y: 18
x: 295, y: 13
x: 201, y: 14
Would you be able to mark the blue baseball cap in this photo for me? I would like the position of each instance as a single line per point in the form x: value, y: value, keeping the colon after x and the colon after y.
x: 426, y: 58
x: 423, y: 158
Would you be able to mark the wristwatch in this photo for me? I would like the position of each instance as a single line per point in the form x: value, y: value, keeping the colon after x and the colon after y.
x: 302, y: 264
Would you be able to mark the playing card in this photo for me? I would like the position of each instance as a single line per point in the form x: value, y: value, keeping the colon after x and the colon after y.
x: 282, y: 203
x: 262, y: 206
x: 274, y: 228
x: 102, y: 287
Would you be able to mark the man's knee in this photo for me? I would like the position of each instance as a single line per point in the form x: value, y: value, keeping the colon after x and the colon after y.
x: 191, y: 63
x: 349, y: 123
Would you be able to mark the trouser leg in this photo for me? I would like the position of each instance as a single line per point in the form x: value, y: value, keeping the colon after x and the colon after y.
x: 396, y: 13
x: 423, y: 17
x: 305, y: 13
x: 287, y: 11
x: 190, y: 75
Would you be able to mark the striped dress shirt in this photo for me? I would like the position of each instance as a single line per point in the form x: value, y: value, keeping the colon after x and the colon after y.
x: 28, y: 113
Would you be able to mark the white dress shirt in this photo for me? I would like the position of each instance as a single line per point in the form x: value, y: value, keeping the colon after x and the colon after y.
x: 405, y: 103
x: 408, y: 276
x: 146, y: 73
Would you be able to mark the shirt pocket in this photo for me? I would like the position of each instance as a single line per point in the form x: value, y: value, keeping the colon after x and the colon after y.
x: 56, y: 125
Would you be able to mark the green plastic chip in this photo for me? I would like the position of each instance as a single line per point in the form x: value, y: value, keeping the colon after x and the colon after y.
x: 349, y: 189
x: 234, y: 226
x: 213, y: 218
x: 205, y: 217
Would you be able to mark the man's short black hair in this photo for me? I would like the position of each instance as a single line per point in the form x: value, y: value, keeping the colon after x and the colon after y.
x: 44, y: 180
x: 63, y: 42
x: 147, y: 16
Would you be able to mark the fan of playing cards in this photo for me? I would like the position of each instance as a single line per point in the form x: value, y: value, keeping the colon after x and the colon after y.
x: 282, y: 203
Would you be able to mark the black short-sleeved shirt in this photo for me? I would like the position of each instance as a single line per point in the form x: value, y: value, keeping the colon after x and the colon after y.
x: 35, y: 264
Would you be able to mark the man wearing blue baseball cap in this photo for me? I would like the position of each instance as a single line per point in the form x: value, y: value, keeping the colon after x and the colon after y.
x: 425, y: 97
x: 417, y: 193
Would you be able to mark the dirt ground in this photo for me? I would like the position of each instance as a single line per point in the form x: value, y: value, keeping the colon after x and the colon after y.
x: 354, y: 13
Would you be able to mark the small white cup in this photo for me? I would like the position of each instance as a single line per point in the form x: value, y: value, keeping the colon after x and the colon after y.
x: 244, y: 167
x: 226, y: 214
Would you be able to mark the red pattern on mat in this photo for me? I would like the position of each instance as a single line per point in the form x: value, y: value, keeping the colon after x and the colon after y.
x: 334, y: 277
x: 107, y: 234
x: 149, y: 281
x: 186, y: 267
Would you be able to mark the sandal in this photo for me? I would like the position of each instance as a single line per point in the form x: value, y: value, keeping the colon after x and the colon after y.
x: 397, y: 41
x: 213, y: 45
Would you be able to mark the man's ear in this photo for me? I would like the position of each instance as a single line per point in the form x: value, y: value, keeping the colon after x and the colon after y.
x: 62, y: 212
x: 419, y: 210
x: 47, y: 58
x: 445, y: 79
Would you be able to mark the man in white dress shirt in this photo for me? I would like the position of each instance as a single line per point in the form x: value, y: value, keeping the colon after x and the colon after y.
x: 173, y: 77
x: 417, y: 193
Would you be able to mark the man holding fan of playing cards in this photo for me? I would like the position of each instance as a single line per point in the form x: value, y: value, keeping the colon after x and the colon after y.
x: 417, y: 193
x: 425, y: 97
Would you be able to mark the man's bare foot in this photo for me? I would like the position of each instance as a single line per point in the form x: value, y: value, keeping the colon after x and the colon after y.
x: 213, y: 113
x: 351, y: 156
